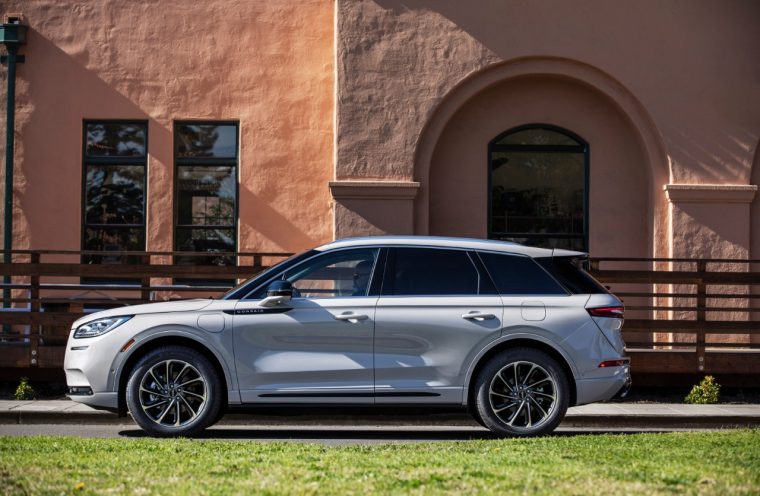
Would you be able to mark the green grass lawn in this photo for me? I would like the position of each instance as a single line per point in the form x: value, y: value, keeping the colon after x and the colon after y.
x: 725, y: 462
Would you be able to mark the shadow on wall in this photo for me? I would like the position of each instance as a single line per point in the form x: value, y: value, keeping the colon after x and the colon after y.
x: 719, y: 41
x: 57, y: 92
x: 270, y: 223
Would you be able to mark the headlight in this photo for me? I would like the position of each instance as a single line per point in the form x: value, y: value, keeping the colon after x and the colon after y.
x: 100, y: 326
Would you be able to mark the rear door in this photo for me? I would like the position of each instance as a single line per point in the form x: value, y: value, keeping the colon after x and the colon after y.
x: 436, y: 310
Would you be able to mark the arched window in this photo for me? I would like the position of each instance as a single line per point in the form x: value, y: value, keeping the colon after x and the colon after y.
x: 538, y: 187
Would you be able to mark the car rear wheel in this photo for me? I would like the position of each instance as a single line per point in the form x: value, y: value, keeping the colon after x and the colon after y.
x: 521, y: 392
x: 174, y: 391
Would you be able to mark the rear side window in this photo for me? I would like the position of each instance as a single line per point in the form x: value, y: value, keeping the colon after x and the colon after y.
x: 423, y: 271
x: 518, y: 275
x: 569, y: 272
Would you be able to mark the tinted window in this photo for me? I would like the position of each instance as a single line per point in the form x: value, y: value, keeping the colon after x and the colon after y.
x: 334, y: 275
x: 422, y: 271
x: 517, y: 275
x: 570, y: 273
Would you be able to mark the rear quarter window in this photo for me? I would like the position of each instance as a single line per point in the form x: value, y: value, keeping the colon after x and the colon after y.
x: 570, y: 273
x: 519, y: 275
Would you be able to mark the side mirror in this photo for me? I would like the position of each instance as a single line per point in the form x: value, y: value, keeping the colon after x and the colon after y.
x: 277, y: 292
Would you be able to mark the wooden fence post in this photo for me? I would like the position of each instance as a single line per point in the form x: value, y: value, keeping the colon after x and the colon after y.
x: 145, y: 281
x: 701, y: 317
x: 35, y: 330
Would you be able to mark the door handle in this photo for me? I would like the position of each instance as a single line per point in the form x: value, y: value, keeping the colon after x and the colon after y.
x: 351, y: 317
x: 479, y: 316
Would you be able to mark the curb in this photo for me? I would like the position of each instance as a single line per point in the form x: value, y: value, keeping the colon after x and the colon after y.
x: 642, y: 421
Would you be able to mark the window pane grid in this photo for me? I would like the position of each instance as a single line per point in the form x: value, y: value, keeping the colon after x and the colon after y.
x: 538, y: 188
x: 206, y: 161
x: 113, y: 189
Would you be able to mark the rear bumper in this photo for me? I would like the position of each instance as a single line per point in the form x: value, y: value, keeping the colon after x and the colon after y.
x: 604, y: 388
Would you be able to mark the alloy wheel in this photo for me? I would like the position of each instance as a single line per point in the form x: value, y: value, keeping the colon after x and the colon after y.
x: 523, y: 394
x: 173, y: 393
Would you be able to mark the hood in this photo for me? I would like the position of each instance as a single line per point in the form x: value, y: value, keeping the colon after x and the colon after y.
x: 161, y: 307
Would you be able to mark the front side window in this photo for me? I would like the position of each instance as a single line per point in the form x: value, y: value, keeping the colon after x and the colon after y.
x: 334, y: 275
x: 433, y: 272
x: 206, y: 156
x: 115, y: 163
x: 538, y: 188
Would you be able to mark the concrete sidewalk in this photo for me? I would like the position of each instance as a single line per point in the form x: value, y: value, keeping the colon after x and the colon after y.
x: 598, y: 415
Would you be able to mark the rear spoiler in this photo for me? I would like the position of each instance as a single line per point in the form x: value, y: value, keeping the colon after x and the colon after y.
x: 556, y: 252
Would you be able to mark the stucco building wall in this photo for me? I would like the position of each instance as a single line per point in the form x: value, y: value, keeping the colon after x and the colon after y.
x: 268, y: 65
x: 677, y: 79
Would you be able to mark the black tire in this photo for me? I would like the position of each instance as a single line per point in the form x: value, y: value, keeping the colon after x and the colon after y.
x: 192, y: 397
x: 501, y: 398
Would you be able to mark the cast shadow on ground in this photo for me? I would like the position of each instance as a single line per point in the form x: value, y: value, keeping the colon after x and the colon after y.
x: 371, y: 435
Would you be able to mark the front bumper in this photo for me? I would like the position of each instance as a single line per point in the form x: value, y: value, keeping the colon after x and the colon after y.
x: 100, y: 401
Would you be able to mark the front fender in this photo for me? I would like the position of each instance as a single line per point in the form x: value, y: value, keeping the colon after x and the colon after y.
x: 212, y: 342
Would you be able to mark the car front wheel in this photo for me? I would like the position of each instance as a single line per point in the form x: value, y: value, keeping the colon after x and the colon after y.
x: 521, y: 392
x: 174, y: 391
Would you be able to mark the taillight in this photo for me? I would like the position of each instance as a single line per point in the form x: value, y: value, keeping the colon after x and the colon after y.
x: 613, y: 363
x: 612, y: 312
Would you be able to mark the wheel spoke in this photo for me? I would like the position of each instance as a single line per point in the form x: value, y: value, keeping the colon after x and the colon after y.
x: 539, y: 382
x: 514, y: 415
x: 194, y: 394
x: 516, y: 380
x: 532, y: 368
x: 527, y: 408
x: 502, y: 395
x: 511, y: 390
x: 171, y: 403
x: 190, y: 381
x: 156, y: 379
x: 544, y: 394
x: 177, y: 414
x: 504, y: 408
x: 187, y: 405
x: 538, y: 405
x: 155, y: 393
x: 168, y: 377
x: 187, y: 365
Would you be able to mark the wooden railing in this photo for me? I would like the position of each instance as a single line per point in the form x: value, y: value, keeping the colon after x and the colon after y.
x: 683, y: 316
x: 687, y: 317
x: 49, y: 289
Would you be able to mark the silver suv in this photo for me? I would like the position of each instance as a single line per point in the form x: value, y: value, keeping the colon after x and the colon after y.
x: 514, y: 334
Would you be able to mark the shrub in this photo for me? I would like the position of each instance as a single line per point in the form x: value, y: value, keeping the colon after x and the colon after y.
x: 704, y: 393
x: 24, y: 391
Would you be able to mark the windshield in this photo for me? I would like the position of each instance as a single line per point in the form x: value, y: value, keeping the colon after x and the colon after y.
x: 247, y: 286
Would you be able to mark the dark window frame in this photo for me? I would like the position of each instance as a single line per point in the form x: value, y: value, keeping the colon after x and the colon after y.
x: 205, y: 161
x: 582, y: 147
x: 113, y: 162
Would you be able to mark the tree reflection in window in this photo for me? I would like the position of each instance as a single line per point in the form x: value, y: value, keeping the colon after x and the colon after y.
x: 115, y: 163
x: 538, y: 195
x: 206, y: 191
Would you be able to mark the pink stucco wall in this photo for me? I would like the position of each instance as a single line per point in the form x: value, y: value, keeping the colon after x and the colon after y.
x: 267, y: 64
x: 677, y: 79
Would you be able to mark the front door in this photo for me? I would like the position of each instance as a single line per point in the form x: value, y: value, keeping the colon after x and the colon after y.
x: 317, y: 347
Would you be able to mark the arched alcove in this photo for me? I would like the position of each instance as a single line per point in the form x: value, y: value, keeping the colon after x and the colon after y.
x: 628, y: 165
